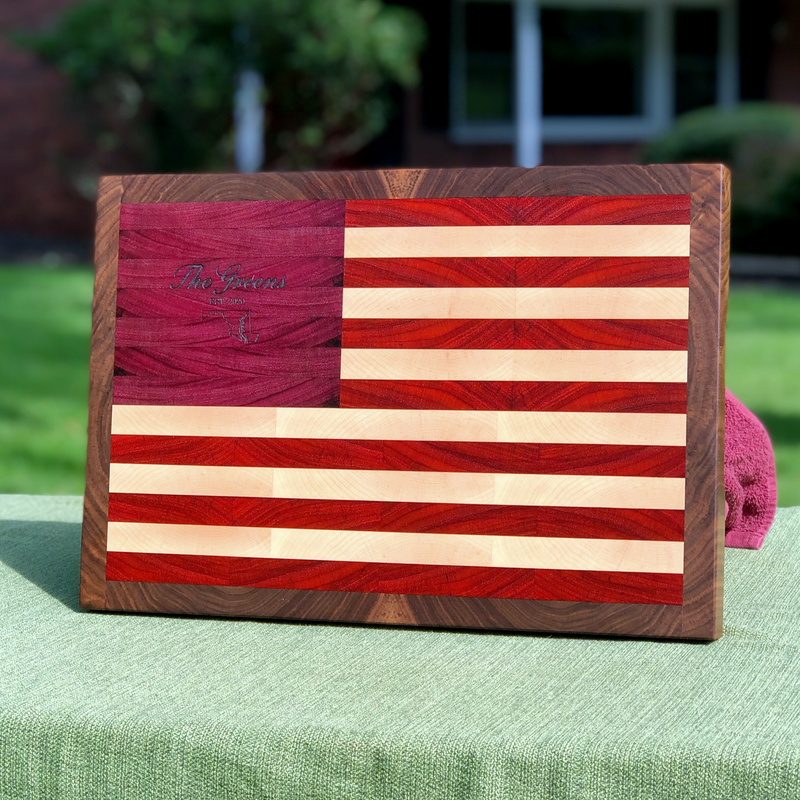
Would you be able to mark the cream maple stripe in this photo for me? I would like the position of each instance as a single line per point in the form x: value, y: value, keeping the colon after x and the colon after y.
x: 499, y: 241
x: 647, y: 366
x: 605, y: 555
x: 440, y: 425
x: 516, y: 303
x: 404, y: 486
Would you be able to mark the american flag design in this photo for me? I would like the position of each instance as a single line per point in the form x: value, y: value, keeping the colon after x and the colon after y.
x: 468, y: 397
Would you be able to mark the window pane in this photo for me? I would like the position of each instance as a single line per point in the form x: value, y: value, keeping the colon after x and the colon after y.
x: 593, y: 62
x: 490, y: 80
x: 696, y: 43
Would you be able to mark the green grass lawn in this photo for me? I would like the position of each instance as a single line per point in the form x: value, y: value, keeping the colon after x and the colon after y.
x: 45, y: 321
x: 762, y: 369
x: 44, y: 357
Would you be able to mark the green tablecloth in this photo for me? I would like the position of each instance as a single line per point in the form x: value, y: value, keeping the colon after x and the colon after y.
x: 125, y: 706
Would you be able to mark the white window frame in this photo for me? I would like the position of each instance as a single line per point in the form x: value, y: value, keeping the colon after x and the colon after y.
x: 659, y: 49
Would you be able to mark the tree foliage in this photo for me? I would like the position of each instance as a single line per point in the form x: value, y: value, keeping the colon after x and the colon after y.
x: 156, y: 77
x: 760, y: 142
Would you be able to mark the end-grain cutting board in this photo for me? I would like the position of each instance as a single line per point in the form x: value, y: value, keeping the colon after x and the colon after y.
x: 464, y: 398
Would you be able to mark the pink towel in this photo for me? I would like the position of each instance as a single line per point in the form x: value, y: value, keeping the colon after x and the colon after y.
x: 751, y: 490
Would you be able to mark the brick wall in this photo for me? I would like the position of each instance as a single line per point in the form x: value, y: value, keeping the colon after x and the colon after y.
x: 37, y: 141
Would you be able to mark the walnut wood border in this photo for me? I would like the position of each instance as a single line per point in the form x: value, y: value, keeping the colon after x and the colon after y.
x: 101, y: 368
x: 700, y: 616
x: 704, y: 533
x: 474, y: 613
x: 491, y: 182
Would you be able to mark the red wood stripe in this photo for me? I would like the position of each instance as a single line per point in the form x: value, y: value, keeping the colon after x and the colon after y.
x: 620, y: 587
x: 488, y: 520
x: 469, y: 395
x: 474, y: 334
x: 217, y: 451
x: 431, y: 211
x: 610, y: 272
x: 377, y: 273
x: 173, y: 509
x: 581, y: 210
x: 233, y: 214
x: 545, y: 459
x: 234, y: 243
x: 644, y: 398
x: 665, y: 209
x: 299, y: 272
x: 505, y: 334
x: 656, y: 398
x: 347, y: 576
x: 601, y: 334
x: 506, y: 457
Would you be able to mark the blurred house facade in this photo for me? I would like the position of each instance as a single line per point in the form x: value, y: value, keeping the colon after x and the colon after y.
x: 614, y: 73
x: 37, y: 143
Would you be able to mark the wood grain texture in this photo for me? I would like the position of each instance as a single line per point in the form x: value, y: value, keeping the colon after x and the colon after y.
x: 705, y: 520
x: 477, y: 334
x: 489, y: 520
x: 619, y: 366
x: 566, y: 459
x: 258, y: 214
x: 630, y: 613
x: 391, y: 547
x: 619, y: 210
x: 254, y: 346
x: 95, y: 508
x: 413, y: 273
x: 283, y: 305
x: 543, y: 241
x: 146, y: 390
x: 417, y: 273
x: 506, y: 334
x: 525, y: 303
x: 541, y: 427
x: 584, y: 491
x: 657, y: 272
x: 428, y: 395
x: 614, y: 210
x: 206, y: 243
x: 592, y: 428
x: 301, y: 272
x: 409, y: 183
x: 430, y: 580
x: 170, y: 363
x: 431, y: 211
x: 282, y: 329
x: 636, y: 303
x: 600, y: 397
x: 623, y: 617
x: 193, y: 421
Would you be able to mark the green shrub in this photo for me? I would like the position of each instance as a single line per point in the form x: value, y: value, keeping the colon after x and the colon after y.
x: 760, y: 142
x: 155, y: 78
